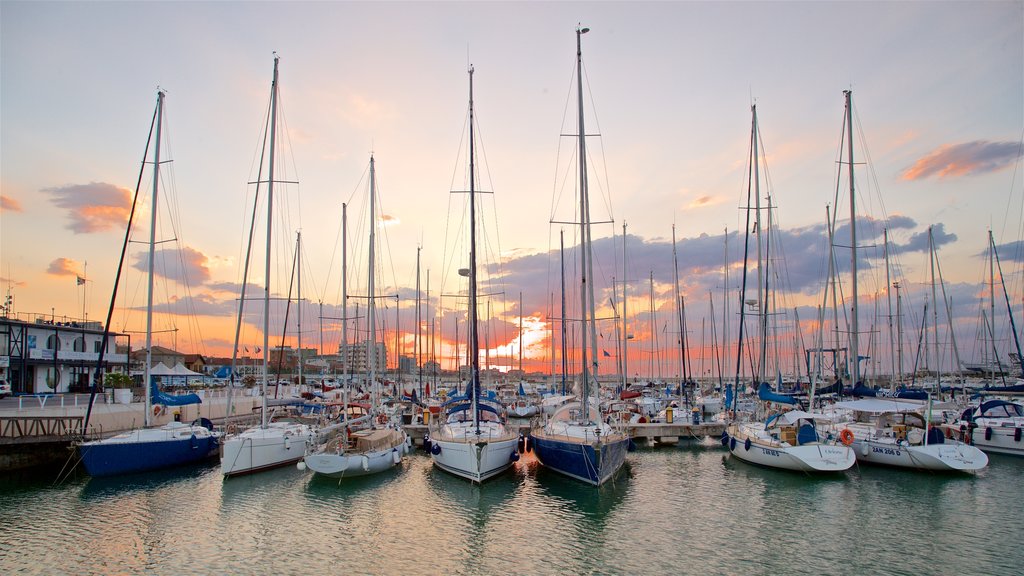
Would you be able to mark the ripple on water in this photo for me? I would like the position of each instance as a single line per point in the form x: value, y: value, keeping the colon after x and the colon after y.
x: 686, y: 510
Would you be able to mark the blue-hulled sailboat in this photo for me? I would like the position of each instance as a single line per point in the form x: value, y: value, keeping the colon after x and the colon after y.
x: 574, y: 441
x: 150, y: 448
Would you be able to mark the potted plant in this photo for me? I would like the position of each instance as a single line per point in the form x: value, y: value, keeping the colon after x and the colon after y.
x: 122, y: 386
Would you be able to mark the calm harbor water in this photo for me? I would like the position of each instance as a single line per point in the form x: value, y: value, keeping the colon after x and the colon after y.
x: 682, y: 510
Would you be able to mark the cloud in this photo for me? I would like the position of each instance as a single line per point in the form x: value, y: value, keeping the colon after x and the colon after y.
x: 63, y: 267
x: 93, y: 207
x: 185, y: 265
x: 703, y: 201
x: 919, y: 242
x: 9, y: 204
x: 1011, y: 252
x: 388, y: 220
x: 952, y: 160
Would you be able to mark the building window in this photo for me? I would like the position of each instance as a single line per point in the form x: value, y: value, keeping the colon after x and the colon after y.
x: 52, y: 342
x: 52, y: 378
x: 79, y: 344
x: 97, y: 345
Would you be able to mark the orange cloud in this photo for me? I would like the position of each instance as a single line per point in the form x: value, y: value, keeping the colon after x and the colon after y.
x: 953, y: 160
x: 63, y: 267
x: 93, y: 207
x: 9, y: 204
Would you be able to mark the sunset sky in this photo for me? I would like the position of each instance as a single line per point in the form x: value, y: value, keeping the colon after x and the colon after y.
x: 938, y: 92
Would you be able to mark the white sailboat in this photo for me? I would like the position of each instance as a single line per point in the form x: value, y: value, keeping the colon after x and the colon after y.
x: 271, y: 444
x: 472, y: 439
x: 149, y: 448
x: 793, y: 440
x: 575, y: 441
x: 995, y: 426
x: 346, y: 452
x: 885, y: 431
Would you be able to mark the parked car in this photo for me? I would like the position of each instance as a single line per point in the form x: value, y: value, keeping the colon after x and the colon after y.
x: 5, y: 388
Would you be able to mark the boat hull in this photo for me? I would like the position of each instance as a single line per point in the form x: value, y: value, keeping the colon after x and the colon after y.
x: 474, y: 460
x: 950, y: 456
x: 1003, y: 440
x: 146, y: 450
x: 333, y: 463
x: 593, y: 462
x: 806, y: 458
x: 259, y: 449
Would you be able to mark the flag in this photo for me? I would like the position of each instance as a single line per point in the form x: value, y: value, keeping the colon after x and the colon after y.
x: 246, y: 349
x: 605, y: 352
x: 257, y: 349
x: 79, y: 280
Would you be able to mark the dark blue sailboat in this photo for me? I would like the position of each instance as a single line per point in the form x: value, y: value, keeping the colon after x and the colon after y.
x: 151, y: 448
x: 574, y: 441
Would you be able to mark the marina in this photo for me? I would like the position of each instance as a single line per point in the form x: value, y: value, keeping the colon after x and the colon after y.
x: 753, y: 324
x: 688, y: 509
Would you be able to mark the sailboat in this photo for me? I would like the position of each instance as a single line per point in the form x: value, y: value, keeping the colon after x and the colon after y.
x: 473, y: 440
x: 575, y: 441
x: 378, y: 446
x: 271, y: 444
x: 893, y: 432
x: 793, y: 439
x: 150, y: 448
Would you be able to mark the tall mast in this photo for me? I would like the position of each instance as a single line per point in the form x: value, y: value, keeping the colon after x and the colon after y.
x: 474, y: 341
x: 565, y: 359
x: 152, y: 255
x: 298, y: 301
x: 270, y: 227
x: 679, y: 316
x: 935, y: 312
x: 854, y: 327
x: 586, y: 263
x: 888, y: 297
x: 625, y: 297
x: 419, y: 327
x: 761, y: 303
x: 345, y: 355
x: 371, y: 304
x: 520, y: 334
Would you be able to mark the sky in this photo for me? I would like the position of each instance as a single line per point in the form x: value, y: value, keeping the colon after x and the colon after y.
x: 938, y: 89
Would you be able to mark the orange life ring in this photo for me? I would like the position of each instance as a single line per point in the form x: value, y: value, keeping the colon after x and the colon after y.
x: 382, y: 419
x: 846, y: 437
x: 158, y: 409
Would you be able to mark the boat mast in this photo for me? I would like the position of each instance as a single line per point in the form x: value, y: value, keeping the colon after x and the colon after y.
x: 298, y: 301
x: 371, y: 305
x: 854, y: 350
x: 419, y: 327
x: 586, y: 262
x: 345, y: 355
x: 935, y: 312
x: 761, y: 298
x: 565, y: 359
x: 270, y: 225
x: 679, y: 319
x: 1006, y: 295
x: 625, y: 297
x: 152, y: 255
x: 474, y: 342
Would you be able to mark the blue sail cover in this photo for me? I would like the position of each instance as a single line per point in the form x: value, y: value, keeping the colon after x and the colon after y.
x: 728, y: 396
x: 765, y: 393
x: 862, y: 391
x: 158, y: 397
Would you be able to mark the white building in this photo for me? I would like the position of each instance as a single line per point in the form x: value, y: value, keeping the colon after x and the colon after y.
x: 44, y: 354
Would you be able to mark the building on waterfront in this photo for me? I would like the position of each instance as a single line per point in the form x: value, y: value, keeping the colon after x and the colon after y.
x: 47, y: 354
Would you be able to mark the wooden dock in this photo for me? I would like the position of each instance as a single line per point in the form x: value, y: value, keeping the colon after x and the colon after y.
x: 652, y: 432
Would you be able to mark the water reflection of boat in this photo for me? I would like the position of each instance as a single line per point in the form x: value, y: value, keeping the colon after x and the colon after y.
x: 598, y: 502
x: 108, y: 487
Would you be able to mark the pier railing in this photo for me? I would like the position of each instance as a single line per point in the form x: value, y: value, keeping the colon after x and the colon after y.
x: 40, y: 427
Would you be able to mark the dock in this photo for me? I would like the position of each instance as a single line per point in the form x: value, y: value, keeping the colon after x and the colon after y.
x: 659, y: 433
